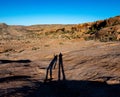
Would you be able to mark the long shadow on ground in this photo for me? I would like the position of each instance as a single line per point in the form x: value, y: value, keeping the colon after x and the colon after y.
x: 14, y: 61
x: 68, y: 88
x: 13, y: 78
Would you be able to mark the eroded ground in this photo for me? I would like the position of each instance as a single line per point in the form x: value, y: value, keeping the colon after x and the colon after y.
x: 92, y: 68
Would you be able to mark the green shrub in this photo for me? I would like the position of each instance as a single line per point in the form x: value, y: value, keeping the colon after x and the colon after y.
x: 61, y: 43
x: 46, y: 45
x: 35, y: 48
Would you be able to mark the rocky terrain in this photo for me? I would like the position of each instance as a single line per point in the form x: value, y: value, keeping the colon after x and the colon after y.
x: 92, y: 68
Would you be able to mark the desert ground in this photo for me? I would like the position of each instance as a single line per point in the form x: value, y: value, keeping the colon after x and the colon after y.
x: 92, y: 68
x: 90, y: 60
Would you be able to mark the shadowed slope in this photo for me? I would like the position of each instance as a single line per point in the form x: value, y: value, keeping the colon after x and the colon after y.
x: 68, y: 88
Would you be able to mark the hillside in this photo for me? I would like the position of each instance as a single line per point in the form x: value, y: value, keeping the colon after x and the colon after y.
x: 103, y: 30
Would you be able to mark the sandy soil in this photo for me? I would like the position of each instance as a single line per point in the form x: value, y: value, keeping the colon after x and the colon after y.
x: 92, y: 68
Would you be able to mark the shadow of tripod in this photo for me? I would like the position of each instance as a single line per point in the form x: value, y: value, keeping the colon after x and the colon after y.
x: 60, y: 68
x: 50, y: 67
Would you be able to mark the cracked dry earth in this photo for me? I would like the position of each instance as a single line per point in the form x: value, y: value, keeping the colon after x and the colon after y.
x: 92, y: 69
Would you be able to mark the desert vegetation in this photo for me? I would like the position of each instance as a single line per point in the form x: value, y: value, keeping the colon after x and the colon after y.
x: 103, y: 30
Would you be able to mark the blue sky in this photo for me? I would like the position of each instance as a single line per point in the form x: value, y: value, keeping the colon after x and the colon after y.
x: 30, y: 12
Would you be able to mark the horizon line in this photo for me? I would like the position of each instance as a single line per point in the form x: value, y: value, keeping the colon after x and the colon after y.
x: 11, y: 24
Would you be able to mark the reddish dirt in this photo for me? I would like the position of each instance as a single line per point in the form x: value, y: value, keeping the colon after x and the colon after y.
x: 91, y: 68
